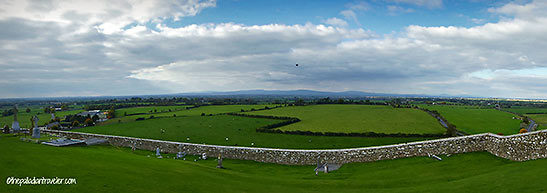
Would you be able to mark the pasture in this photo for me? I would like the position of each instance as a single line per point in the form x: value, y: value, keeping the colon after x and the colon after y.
x: 358, y: 119
x: 475, y: 120
x: 182, y: 111
x: 113, y: 169
x: 24, y: 117
x: 541, y: 120
x: 240, y: 131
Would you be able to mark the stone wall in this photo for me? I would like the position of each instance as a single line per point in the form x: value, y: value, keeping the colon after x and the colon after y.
x: 520, y: 147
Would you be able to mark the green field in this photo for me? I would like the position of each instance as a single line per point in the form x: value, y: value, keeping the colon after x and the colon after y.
x: 358, y: 119
x: 24, y: 117
x: 213, y: 109
x: 112, y: 169
x: 150, y: 109
x: 526, y: 110
x: 239, y: 130
x: 541, y: 120
x: 474, y: 120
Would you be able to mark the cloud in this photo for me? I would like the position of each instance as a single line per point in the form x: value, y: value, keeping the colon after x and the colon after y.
x: 395, y: 10
x: 336, y: 22
x: 422, y: 3
x: 71, y: 55
x: 350, y: 15
x: 107, y: 17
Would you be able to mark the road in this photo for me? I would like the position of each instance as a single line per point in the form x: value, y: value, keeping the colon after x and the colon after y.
x: 531, y: 125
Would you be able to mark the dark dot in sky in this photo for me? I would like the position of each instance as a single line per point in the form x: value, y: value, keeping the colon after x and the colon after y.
x: 296, y: 64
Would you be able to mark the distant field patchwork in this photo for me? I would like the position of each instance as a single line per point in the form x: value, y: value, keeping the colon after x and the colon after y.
x: 358, y: 119
x: 474, y: 120
x: 240, y: 131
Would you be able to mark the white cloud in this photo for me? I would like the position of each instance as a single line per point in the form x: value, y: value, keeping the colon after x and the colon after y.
x: 336, y: 22
x: 493, y: 59
x: 423, y: 3
x: 350, y: 15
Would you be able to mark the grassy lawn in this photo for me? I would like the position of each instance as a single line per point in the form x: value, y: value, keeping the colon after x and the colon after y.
x: 541, y: 120
x: 112, y: 169
x: 526, y: 110
x: 24, y: 117
x: 357, y: 118
x: 150, y: 109
x: 239, y: 130
x: 214, y: 109
x: 474, y: 120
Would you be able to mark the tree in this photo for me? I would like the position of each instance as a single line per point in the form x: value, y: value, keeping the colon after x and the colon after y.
x: 64, y: 107
x: 89, y: 122
x: 95, y: 118
x: 46, y: 110
x: 76, y: 123
x: 54, y: 127
x: 28, y: 110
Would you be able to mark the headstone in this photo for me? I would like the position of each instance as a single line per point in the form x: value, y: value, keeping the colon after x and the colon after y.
x: 134, y: 146
x: 52, y: 116
x: 203, y: 156
x: 35, y: 130
x: 219, y: 165
x: 15, y: 125
x: 158, y: 154
x: 180, y: 155
x: 6, y: 130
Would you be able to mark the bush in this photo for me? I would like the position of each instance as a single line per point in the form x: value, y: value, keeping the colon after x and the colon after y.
x: 89, y: 122
x: 523, y: 130
x: 202, y: 114
x: 54, y: 127
x: 76, y: 123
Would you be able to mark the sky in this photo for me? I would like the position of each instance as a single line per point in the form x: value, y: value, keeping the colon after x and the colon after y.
x: 486, y: 48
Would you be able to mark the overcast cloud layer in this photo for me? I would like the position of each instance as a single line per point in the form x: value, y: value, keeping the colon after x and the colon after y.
x: 61, y: 48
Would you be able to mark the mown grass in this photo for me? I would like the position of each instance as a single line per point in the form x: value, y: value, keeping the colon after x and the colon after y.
x: 475, y: 120
x: 541, y: 120
x: 150, y: 109
x: 24, y: 117
x: 526, y: 110
x: 239, y: 130
x: 213, y: 109
x: 358, y: 119
x: 112, y: 169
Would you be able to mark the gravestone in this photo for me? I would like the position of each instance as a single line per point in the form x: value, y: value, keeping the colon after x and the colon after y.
x: 219, y: 165
x: 6, y: 129
x: 15, y: 125
x: 158, y: 154
x: 52, y: 116
x: 204, y: 156
x: 35, y: 130
x: 180, y: 155
x: 134, y: 146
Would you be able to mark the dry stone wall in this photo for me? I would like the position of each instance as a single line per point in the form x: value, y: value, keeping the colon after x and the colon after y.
x: 520, y: 147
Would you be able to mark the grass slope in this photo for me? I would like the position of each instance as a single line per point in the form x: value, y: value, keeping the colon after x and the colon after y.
x: 474, y: 120
x: 149, y: 109
x: 541, y: 120
x: 213, y: 109
x: 111, y: 169
x: 357, y: 118
x: 239, y: 130
x: 24, y: 117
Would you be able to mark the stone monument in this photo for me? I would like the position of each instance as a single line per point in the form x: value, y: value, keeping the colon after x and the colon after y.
x: 219, y: 165
x: 158, y: 154
x: 15, y: 125
x: 35, y: 130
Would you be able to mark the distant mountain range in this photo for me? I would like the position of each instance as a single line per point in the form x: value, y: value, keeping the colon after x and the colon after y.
x: 303, y: 93
x: 244, y: 93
